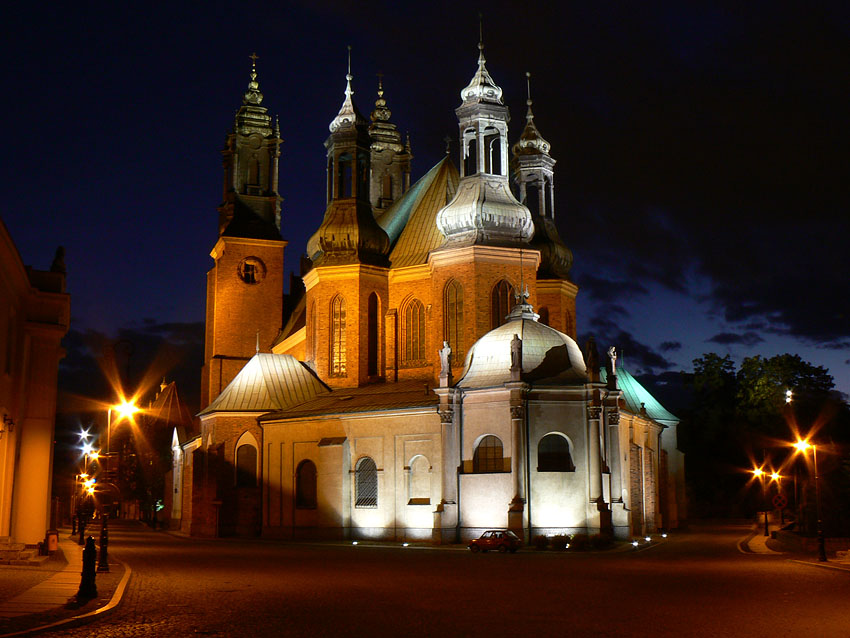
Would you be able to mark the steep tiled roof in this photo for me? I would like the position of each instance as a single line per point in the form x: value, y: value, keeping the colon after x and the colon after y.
x: 268, y: 382
x: 635, y: 394
x: 370, y: 398
x: 411, y: 221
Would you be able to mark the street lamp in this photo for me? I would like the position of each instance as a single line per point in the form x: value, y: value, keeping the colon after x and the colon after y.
x: 803, y: 446
x: 760, y: 475
x: 125, y: 410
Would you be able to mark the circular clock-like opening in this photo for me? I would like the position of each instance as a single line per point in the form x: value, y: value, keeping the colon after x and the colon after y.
x: 252, y: 270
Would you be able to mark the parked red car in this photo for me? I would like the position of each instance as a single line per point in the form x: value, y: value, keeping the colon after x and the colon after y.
x: 499, y: 539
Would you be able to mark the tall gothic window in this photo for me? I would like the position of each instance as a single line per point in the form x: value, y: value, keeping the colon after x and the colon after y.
x: 414, y: 331
x: 453, y: 318
x: 246, y: 466
x: 488, y: 455
x: 365, y: 483
x: 470, y: 152
x: 305, y: 485
x: 372, y: 337
x: 500, y: 302
x: 338, y: 336
x: 553, y: 454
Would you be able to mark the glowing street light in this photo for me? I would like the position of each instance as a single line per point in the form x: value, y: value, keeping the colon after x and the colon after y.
x: 760, y: 475
x: 802, y: 447
x: 125, y: 410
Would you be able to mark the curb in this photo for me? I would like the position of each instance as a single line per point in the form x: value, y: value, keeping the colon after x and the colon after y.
x: 116, y: 599
x: 826, y: 565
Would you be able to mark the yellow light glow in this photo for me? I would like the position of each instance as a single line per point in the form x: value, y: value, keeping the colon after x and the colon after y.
x: 126, y: 409
x: 94, y: 455
x: 775, y: 476
x: 84, y: 476
x: 757, y: 472
x: 802, y: 446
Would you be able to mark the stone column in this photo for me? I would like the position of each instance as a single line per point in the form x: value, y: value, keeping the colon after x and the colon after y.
x: 594, y: 469
x: 446, y: 515
x: 516, y: 510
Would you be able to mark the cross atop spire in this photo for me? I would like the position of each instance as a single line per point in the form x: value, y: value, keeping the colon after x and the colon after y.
x: 253, y: 95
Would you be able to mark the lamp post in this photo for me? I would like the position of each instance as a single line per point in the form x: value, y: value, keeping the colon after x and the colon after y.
x: 760, y: 475
x: 802, y: 446
x: 125, y: 409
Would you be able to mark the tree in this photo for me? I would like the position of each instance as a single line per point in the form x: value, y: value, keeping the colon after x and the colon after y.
x: 762, y: 384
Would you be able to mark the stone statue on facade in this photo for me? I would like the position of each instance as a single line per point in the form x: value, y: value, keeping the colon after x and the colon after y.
x: 612, y: 355
x: 516, y: 358
x: 445, y: 364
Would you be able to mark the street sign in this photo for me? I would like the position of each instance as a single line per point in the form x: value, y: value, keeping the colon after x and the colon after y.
x: 780, y: 501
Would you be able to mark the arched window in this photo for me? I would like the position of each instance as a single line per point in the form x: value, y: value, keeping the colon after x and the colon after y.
x: 453, y: 318
x: 488, y: 455
x: 305, y: 485
x: 419, y: 487
x: 414, y: 331
x: 501, y: 302
x: 470, y: 152
x: 372, y: 337
x: 550, y: 199
x: 338, y: 336
x: 493, y: 151
x: 365, y: 483
x: 543, y: 311
x: 387, y: 189
x: 246, y: 466
x: 553, y: 454
x: 345, y: 176
x: 532, y: 197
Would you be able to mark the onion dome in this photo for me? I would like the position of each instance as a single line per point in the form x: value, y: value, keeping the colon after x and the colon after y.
x: 531, y: 142
x: 484, y: 210
x: 481, y: 88
x: 349, y: 234
x: 547, y: 356
x: 348, y: 114
x: 385, y: 135
x: 253, y: 95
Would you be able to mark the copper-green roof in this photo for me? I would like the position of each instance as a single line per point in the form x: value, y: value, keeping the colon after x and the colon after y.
x: 268, y: 382
x: 411, y: 221
x: 635, y: 395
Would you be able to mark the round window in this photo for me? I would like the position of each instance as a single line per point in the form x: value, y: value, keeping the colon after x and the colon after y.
x: 252, y: 270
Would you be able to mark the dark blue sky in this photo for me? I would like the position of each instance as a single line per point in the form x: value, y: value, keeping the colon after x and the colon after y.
x: 702, y: 151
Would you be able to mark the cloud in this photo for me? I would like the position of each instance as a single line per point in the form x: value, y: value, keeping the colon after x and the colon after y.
x: 634, y: 355
x: 608, y: 290
x: 670, y: 346
x: 137, y: 356
x: 731, y: 338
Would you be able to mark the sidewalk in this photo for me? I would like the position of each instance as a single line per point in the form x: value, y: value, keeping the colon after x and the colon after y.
x: 758, y: 543
x: 53, y: 600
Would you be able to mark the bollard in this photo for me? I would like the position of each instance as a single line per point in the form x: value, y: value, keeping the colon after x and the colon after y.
x: 88, y: 588
x: 103, y: 559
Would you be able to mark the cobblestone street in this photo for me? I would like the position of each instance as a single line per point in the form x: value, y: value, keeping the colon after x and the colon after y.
x: 183, y: 587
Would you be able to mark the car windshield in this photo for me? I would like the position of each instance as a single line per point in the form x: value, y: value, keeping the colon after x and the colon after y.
x: 512, y: 535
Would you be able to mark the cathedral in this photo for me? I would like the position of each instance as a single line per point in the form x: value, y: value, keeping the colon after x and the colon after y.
x: 424, y: 383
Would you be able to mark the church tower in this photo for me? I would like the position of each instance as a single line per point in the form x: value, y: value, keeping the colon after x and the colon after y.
x: 245, y: 285
x: 487, y: 256
x: 390, y: 159
x: 533, y: 174
x: 347, y: 287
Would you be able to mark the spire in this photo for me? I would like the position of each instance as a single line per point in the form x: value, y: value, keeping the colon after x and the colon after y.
x: 384, y: 133
x: 481, y: 88
x: 533, y: 173
x: 253, y: 95
x: 530, y: 142
x: 483, y: 210
x: 348, y: 114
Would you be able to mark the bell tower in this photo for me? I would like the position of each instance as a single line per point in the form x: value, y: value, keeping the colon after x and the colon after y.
x: 347, y: 289
x: 390, y: 158
x: 533, y: 174
x: 245, y: 284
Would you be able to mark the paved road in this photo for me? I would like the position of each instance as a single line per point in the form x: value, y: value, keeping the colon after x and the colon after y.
x: 694, y: 584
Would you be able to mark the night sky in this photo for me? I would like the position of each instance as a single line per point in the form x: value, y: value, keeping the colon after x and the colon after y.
x: 702, y: 154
